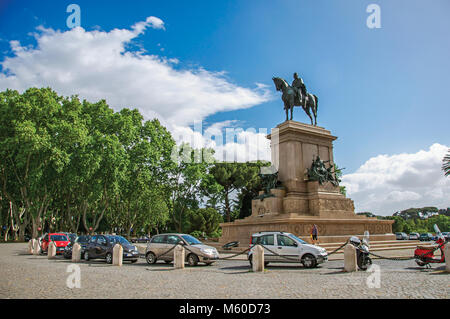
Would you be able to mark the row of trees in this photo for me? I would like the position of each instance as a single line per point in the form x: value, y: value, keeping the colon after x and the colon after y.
x: 76, y: 166
x: 419, y: 220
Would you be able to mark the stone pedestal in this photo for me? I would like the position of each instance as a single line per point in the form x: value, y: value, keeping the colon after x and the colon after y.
x: 36, y: 247
x: 350, y: 263
x: 258, y: 259
x: 299, y: 203
x: 178, y: 257
x: 76, y: 253
x: 30, y: 246
x: 117, y: 255
x: 51, y: 250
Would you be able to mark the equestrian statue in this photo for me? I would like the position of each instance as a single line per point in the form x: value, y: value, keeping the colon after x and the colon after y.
x: 296, y: 95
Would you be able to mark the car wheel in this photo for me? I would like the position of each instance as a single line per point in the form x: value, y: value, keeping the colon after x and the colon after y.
x: 150, y: 258
x: 109, y: 258
x: 309, y: 261
x: 86, y: 256
x: 192, y: 260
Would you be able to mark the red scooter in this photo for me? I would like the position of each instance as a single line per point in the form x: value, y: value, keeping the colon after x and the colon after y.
x: 425, y: 255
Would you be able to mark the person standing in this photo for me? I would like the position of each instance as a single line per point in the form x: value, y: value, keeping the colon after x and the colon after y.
x: 314, y: 233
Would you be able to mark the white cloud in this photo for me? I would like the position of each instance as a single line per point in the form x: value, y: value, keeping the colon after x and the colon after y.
x: 388, y: 183
x: 98, y: 65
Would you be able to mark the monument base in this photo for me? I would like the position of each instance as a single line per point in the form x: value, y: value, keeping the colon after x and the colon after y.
x: 300, y: 202
x: 330, y: 230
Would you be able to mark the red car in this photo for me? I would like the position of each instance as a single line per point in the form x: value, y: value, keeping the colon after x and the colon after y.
x: 61, y: 240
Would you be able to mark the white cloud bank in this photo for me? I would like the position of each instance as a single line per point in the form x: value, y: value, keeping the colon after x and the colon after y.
x: 385, y: 184
x: 98, y: 65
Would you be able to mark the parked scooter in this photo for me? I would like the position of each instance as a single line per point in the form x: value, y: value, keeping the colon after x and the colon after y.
x: 362, y: 251
x: 424, y: 256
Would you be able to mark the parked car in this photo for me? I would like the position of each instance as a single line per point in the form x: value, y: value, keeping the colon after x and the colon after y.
x: 288, y: 245
x: 101, y: 247
x: 401, y: 236
x: 425, y: 237
x: 414, y: 236
x: 61, y: 241
x: 196, y: 251
x: 83, y: 240
x: 143, y: 239
x: 71, y: 236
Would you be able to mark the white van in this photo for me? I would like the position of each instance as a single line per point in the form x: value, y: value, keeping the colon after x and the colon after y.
x: 287, y: 248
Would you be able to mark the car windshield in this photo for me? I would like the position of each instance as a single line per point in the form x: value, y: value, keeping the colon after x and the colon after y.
x: 297, y: 239
x: 82, y: 239
x: 59, y: 238
x: 118, y: 240
x: 191, y: 240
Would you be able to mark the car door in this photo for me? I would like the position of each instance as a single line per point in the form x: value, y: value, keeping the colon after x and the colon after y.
x: 286, y: 247
x: 171, y: 241
x: 91, y: 247
x: 159, y: 244
x: 101, y: 247
x: 269, y: 242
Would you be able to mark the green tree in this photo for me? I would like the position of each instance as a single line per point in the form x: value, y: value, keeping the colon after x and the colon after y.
x: 184, y: 181
x: 205, y: 220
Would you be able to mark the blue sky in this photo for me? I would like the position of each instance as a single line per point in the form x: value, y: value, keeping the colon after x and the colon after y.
x: 381, y: 91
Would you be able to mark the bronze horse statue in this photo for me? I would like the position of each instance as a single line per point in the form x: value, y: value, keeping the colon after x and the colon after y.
x: 306, y: 100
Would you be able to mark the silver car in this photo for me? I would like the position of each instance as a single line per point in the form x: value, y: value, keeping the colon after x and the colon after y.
x: 195, y: 251
x: 287, y: 248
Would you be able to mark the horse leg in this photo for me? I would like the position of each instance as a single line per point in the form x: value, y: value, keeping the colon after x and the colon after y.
x: 292, y: 111
x: 309, y: 114
x: 287, y: 113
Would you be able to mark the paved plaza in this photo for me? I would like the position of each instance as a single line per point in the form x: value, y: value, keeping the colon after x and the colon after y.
x: 27, y: 276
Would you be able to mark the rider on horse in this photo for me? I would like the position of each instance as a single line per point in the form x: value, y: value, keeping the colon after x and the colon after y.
x: 299, y: 88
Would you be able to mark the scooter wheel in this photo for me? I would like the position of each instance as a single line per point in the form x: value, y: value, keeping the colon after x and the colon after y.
x: 420, y: 262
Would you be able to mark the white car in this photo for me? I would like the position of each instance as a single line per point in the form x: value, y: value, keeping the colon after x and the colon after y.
x: 414, y: 236
x: 287, y: 248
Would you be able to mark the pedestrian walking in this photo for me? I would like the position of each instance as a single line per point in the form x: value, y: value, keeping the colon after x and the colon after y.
x: 314, y: 234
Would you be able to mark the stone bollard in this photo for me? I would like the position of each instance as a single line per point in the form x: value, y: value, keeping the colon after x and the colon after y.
x: 258, y: 259
x: 117, y: 255
x: 51, y: 250
x: 178, y: 257
x: 447, y: 256
x: 36, y: 247
x: 350, y: 263
x: 76, y: 253
x: 30, y: 246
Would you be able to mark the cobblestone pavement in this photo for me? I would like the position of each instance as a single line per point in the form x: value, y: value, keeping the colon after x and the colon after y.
x: 28, y: 276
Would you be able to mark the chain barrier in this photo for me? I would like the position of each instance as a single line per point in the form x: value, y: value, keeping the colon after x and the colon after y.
x: 342, y: 246
x: 166, y: 252
x: 297, y: 259
x: 282, y: 256
x: 407, y: 258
